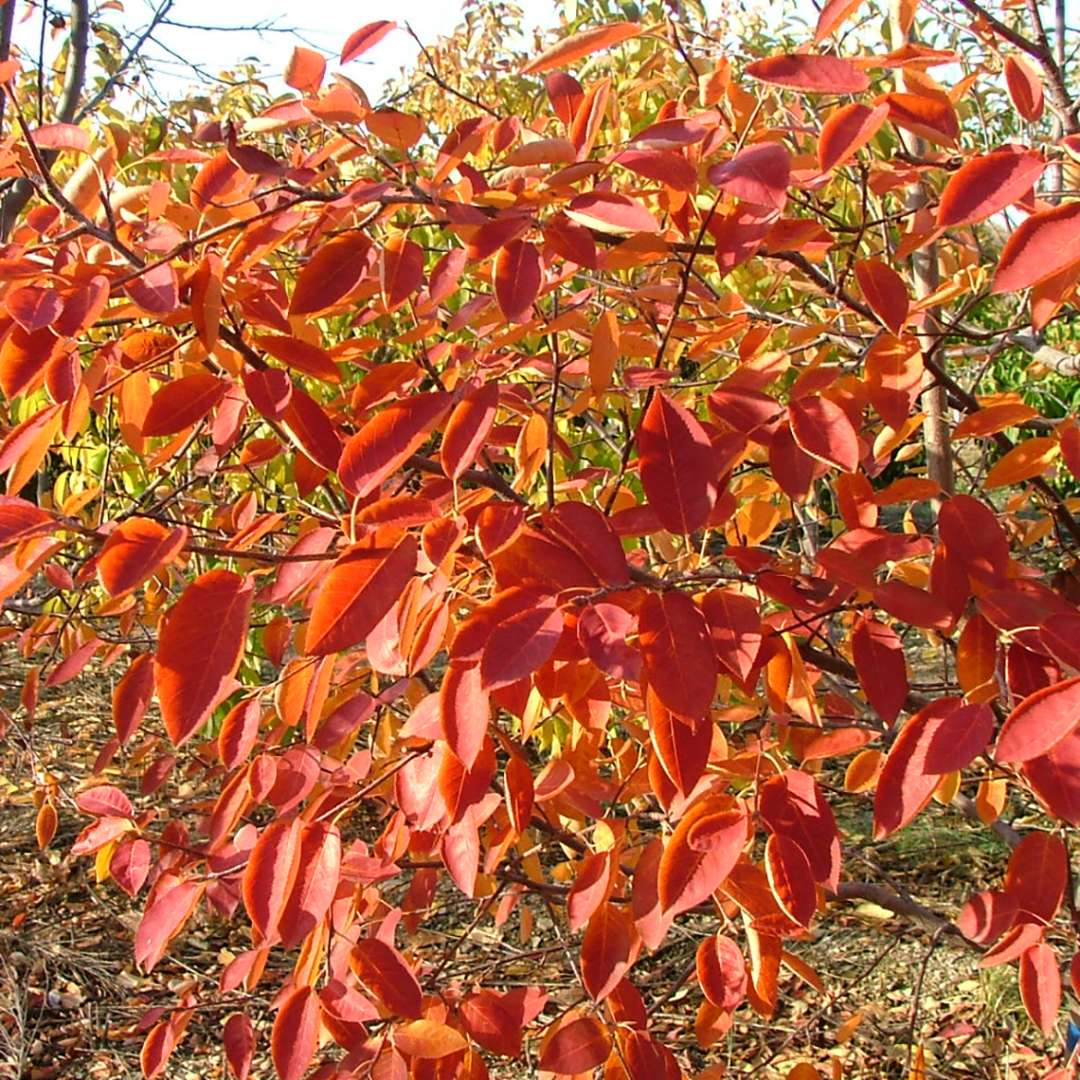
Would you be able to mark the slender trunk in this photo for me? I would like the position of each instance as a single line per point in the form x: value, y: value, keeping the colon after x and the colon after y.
x: 925, y: 273
x: 74, y: 79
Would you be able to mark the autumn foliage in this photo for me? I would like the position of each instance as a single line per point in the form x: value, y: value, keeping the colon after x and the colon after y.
x: 522, y: 496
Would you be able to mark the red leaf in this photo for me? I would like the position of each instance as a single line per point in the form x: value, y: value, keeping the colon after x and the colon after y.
x: 931, y: 118
x: 905, y: 786
x: 677, y: 656
x: 386, y: 442
x: 759, y: 174
x: 239, y: 730
x: 270, y: 875
x: 33, y: 307
x: 1044, y: 244
x: 912, y: 605
x: 606, y: 949
x: 381, y: 968
x: 678, y: 466
x: 318, y: 870
x: 300, y: 355
x: 961, y: 738
x: 986, y: 916
x: 681, y: 744
x: 885, y: 292
x: 790, y: 878
x: 882, y: 670
x: 157, y: 1048
x: 813, y: 74
x: 295, y: 1035
x: 238, y: 1038
x: 464, y: 711
x: 822, y: 430
x: 490, y: 1020
x: 359, y: 41
x: 331, y: 273
x: 583, y: 43
x: 577, y: 1045
x: 1037, y: 876
x: 988, y: 184
x: 701, y: 853
x: 182, y: 402
x: 518, y: 276
x: 661, y: 165
x: 311, y: 430
x: 590, y: 889
x: 734, y: 628
x: 608, y: 212
x: 847, y: 130
x: 832, y: 15
x: 467, y: 428
x: 1055, y: 778
x: 155, y: 290
x: 170, y: 907
x: 721, y: 971
x: 20, y: 519
x: 970, y: 529
x: 199, y: 649
x: 401, y: 270
x: 520, y: 644
x: 1040, y: 986
x: 104, y: 799
x: 361, y: 587
x: 1025, y: 88
x: 1040, y: 722
x: 61, y: 137
x: 132, y: 696
x: 793, y: 805
x: 136, y: 550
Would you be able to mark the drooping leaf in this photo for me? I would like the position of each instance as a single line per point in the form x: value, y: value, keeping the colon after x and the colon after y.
x: 1040, y: 985
x: 678, y: 466
x: 382, y: 969
x: 199, y: 649
x: 678, y: 661
x: 294, y: 1037
x: 271, y: 874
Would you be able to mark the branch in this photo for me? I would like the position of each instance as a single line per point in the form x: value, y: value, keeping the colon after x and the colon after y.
x: 106, y: 88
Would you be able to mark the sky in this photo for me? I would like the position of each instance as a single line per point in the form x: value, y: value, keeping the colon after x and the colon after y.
x: 324, y: 24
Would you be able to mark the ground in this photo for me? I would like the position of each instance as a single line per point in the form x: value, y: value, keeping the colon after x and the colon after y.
x: 71, y: 1000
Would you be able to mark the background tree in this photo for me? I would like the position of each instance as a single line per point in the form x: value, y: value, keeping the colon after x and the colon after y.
x: 503, y: 510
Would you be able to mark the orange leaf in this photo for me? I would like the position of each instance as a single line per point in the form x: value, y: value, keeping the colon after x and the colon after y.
x: 583, y: 43
x: 1045, y: 243
x: 136, y: 550
x: 360, y: 589
x: 812, y: 74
